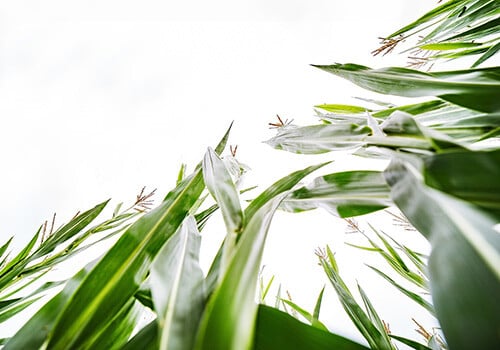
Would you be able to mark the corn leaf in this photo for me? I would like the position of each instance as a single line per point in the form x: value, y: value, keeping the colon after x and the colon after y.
x: 229, y: 317
x: 488, y: 54
x: 343, y: 194
x: 474, y: 88
x: 145, y: 339
x: 472, y: 176
x: 429, y: 16
x: 177, y: 287
x: 465, y: 258
x: 121, y: 271
x: 69, y: 230
x: 413, y: 296
x: 320, y: 138
x: 221, y: 187
x: 376, y: 338
x: 278, y: 330
x: 411, y: 343
x: 307, y: 315
x: 115, y: 335
x: 33, y: 334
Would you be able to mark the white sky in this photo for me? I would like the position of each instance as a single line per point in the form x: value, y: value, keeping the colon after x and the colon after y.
x: 100, y: 98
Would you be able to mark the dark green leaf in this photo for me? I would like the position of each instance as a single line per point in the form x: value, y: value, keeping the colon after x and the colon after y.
x: 278, y: 330
x: 474, y: 88
x: 464, y: 265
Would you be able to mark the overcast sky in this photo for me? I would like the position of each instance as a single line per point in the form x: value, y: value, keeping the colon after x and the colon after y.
x: 100, y: 98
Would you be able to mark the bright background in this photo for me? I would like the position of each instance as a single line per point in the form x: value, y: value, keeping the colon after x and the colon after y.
x: 100, y: 98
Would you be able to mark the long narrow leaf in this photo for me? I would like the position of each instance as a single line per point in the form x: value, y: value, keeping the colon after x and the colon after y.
x: 177, y: 288
x: 475, y: 88
x: 344, y: 194
x: 34, y: 332
x: 121, y: 271
x: 228, y: 321
x: 465, y: 259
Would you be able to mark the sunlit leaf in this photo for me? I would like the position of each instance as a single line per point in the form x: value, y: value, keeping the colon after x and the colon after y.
x: 176, y: 282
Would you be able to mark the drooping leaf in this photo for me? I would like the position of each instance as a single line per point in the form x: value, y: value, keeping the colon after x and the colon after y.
x: 465, y: 258
x: 474, y: 88
x: 343, y: 194
x: 472, y: 176
x: 320, y: 138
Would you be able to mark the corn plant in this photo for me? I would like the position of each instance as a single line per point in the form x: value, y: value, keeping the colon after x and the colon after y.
x: 455, y: 29
x: 444, y: 164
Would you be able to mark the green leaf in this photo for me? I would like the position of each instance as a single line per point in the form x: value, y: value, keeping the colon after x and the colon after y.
x: 480, y: 31
x: 283, y: 185
x: 229, y: 317
x: 34, y: 332
x: 177, y: 287
x: 431, y: 15
x: 472, y: 176
x: 320, y: 138
x: 449, y: 46
x: 488, y: 54
x: 474, y: 88
x: 115, y: 335
x: 4, y: 248
x: 221, y: 186
x: 15, y: 307
x: 413, y: 296
x: 278, y: 330
x: 68, y: 231
x: 314, y: 322
x: 343, y: 194
x: 338, y: 108
x: 230, y: 314
x: 121, y: 271
x: 317, y: 307
x: 375, y: 338
x: 373, y: 315
x: 411, y: 343
x: 145, y: 339
x: 464, y: 264
x: 15, y: 266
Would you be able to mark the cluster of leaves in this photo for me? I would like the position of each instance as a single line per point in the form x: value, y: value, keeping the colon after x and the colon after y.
x: 155, y: 265
x: 455, y: 29
x: 445, y: 160
x: 444, y: 164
